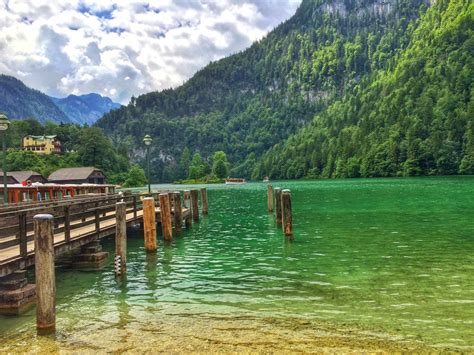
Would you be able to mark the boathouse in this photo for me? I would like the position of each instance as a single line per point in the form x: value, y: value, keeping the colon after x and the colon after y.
x: 18, y: 177
x: 83, y: 175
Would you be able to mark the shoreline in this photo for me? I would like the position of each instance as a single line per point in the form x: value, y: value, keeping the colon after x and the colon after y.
x: 157, y: 332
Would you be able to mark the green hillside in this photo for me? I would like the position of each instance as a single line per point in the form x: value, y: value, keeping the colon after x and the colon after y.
x: 337, y: 78
x: 415, y: 118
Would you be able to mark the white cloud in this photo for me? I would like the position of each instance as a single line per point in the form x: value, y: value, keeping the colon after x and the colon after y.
x: 123, y: 48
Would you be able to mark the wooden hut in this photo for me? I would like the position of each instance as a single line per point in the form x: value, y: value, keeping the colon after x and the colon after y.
x: 83, y: 175
x: 18, y: 177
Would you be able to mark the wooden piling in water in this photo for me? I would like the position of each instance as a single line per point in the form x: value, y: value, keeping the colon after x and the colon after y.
x: 194, y: 205
x: 270, y: 198
x: 165, y: 214
x: 45, y: 276
x: 149, y: 224
x: 205, y: 206
x: 187, y: 198
x: 278, y: 205
x: 287, y: 217
x: 121, y: 236
x: 187, y: 204
x: 178, y: 212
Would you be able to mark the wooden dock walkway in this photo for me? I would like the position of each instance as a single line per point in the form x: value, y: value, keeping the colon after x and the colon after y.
x: 77, y: 223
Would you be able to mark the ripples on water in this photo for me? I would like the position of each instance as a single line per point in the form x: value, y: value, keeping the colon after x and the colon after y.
x: 392, y: 256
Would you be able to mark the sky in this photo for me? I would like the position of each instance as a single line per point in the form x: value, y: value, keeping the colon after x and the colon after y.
x: 121, y: 49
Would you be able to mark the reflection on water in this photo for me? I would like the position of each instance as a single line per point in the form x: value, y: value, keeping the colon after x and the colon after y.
x: 383, y: 260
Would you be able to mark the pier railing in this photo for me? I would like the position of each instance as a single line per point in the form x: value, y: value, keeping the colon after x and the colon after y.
x: 72, y: 219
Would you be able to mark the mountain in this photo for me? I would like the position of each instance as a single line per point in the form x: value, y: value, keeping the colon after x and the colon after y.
x: 414, y: 117
x: 85, y: 108
x: 344, y: 88
x: 19, y: 101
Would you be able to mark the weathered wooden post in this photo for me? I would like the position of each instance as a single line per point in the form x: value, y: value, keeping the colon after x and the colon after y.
x: 121, y: 238
x: 178, y: 212
x: 149, y: 224
x: 165, y: 214
x: 187, y: 197
x: 270, y: 198
x: 287, y: 218
x: 194, y: 205
x: 205, y: 206
x: 45, y: 277
x: 187, y: 204
x: 278, y: 205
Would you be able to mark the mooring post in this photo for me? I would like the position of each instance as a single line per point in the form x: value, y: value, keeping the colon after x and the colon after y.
x: 287, y: 218
x: 187, y: 197
x: 187, y: 204
x: 270, y: 198
x: 194, y: 205
x: 121, y: 238
x: 205, y: 206
x: 165, y: 214
x: 170, y: 202
x: 178, y: 212
x: 278, y: 205
x: 45, y: 277
x: 149, y: 224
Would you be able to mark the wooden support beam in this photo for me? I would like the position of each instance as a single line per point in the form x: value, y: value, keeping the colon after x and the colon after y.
x: 97, y: 220
x: 270, y: 198
x: 287, y: 218
x: 278, y: 205
x: 165, y: 214
x: 205, y: 206
x: 23, y: 237
x: 194, y: 205
x: 149, y: 224
x: 45, y: 277
x: 67, y: 224
x: 135, y: 207
x: 178, y: 212
x: 121, y: 237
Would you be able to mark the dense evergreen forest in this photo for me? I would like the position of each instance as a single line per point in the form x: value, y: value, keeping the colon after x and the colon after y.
x: 345, y: 88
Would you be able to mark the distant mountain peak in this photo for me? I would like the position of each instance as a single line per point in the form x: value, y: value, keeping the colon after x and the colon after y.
x: 87, y: 108
x: 19, y: 101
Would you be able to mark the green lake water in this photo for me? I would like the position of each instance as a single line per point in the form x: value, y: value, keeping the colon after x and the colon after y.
x: 390, y: 257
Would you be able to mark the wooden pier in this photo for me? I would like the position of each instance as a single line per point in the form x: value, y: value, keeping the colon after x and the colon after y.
x: 76, y: 226
x: 76, y: 222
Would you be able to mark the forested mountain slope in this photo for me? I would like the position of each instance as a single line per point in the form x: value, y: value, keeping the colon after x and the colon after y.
x: 19, y: 102
x: 320, y: 74
x: 414, y: 118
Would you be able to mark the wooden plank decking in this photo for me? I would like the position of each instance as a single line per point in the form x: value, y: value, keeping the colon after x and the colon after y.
x: 84, y: 228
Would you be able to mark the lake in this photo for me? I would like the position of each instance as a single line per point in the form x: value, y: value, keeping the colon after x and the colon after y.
x: 374, y: 263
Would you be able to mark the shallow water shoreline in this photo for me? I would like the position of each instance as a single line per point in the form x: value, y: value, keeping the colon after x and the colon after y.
x: 213, y: 333
x: 381, y: 265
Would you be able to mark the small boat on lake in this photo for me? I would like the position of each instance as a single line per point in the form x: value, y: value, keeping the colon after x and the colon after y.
x: 266, y: 179
x: 235, y: 181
